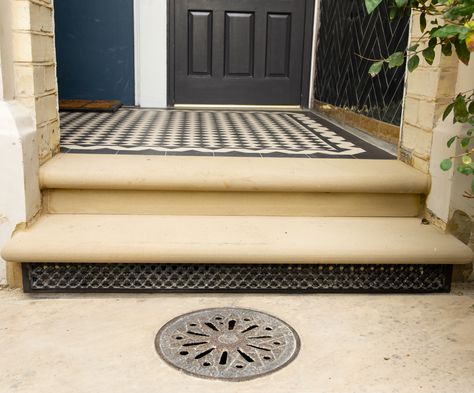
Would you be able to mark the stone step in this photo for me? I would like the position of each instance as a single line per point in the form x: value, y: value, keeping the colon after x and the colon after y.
x: 295, y: 204
x: 76, y: 238
x: 108, y: 184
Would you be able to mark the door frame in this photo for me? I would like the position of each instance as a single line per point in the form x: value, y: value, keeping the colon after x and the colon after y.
x: 308, y: 44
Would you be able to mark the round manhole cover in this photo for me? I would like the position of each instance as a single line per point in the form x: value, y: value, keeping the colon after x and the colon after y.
x: 227, y: 343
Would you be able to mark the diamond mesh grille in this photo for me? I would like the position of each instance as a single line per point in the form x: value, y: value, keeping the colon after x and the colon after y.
x: 235, y: 277
x: 342, y: 78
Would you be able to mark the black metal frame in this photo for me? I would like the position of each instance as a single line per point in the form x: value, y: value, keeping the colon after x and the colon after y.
x: 346, y: 34
x: 236, y: 278
x: 307, y: 54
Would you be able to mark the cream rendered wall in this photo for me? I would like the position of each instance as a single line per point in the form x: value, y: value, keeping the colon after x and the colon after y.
x: 151, y: 35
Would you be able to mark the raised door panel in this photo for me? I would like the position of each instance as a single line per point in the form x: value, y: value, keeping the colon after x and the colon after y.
x: 277, y: 62
x: 199, y: 43
x: 239, y: 43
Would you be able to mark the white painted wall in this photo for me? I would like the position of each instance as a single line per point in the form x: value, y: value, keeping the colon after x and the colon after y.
x: 151, y: 40
x: 20, y: 196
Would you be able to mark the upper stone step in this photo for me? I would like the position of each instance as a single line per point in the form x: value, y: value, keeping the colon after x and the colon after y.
x: 136, y: 172
x: 218, y: 239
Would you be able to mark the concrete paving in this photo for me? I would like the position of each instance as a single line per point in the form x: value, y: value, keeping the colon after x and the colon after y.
x: 350, y: 343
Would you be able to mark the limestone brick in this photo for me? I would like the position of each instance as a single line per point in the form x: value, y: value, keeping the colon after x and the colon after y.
x: 48, y: 136
x: 417, y: 140
x: 21, y: 15
x: 24, y: 80
x: 412, y: 109
x: 41, y: 18
x: 46, y: 108
x: 420, y: 164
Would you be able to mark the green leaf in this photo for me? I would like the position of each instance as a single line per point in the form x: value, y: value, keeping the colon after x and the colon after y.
x: 429, y: 55
x: 413, y: 48
x: 371, y: 5
x: 460, y: 109
x: 465, y: 141
x: 422, y: 22
x: 446, y: 164
x: 464, y: 170
x: 472, y: 185
x: 413, y: 63
x: 432, y: 42
x: 462, y: 51
x: 396, y: 59
x: 471, y: 108
x: 401, y: 3
x: 447, y: 49
x: 392, y: 13
x: 451, y: 141
x: 466, y: 160
x: 448, y: 110
x: 449, y: 31
x: 375, y: 68
x: 461, y: 10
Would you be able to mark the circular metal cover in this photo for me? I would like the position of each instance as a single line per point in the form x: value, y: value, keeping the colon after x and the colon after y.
x: 227, y: 343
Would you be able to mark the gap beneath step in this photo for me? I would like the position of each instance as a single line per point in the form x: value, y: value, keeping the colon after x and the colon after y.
x: 248, y: 278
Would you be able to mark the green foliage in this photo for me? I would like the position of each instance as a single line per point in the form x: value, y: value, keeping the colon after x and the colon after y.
x: 451, y: 27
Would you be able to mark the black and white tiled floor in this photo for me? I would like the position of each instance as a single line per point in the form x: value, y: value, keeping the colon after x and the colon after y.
x: 211, y: 133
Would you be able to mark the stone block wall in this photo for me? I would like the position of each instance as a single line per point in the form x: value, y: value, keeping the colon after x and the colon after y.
x: 428, y: 90
x: 424, y: 136
x: 35, y: 69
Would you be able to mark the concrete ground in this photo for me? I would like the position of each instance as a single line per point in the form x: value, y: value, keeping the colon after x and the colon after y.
x: 350, y: 343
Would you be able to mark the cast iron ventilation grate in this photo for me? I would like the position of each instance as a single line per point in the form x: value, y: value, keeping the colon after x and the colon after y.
x: 342, y: 77
x: 227, y: 343
x: 297, y: 278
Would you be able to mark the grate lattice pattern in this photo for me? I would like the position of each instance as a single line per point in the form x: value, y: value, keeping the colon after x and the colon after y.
x: 235, y: 277
x: 342, y: 77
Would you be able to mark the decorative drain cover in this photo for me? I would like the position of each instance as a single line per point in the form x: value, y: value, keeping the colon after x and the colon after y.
x: 227, y: 343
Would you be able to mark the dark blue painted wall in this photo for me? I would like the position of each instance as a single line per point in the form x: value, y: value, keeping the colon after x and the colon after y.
x: 94, y: 49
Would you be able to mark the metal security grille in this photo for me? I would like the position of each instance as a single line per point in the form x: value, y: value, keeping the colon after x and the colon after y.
x: 118, y: 277
x: 342, y: 78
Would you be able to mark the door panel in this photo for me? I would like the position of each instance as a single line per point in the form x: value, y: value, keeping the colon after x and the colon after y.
x: 238, y: 52
x: 278, y: 44
x: 239, y: 40
x: 200, y: 42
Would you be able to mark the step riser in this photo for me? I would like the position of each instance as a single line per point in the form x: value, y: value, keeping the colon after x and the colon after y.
x: 68, y: 201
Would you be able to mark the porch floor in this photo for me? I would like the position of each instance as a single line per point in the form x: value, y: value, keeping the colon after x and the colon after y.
x: 349, y: 343
x: 298, y: 134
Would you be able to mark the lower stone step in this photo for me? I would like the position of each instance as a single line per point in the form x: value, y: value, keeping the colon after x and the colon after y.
x: 87, y: 238
x: 249, y: 278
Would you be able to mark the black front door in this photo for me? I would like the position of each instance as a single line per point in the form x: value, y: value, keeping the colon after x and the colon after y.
x: 245, y: 52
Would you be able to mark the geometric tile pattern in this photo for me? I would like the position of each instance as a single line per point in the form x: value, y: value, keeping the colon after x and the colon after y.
x: 342, y: 77
x: 181, y: 131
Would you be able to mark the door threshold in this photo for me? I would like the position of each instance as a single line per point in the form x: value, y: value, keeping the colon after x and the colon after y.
x: 240, y: 107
